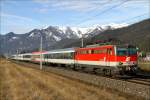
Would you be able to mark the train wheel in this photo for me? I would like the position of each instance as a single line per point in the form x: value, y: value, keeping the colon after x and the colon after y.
x: 110, y: 73
x: 75, y: 68
x: 94, y: 70
x: 104, y: 72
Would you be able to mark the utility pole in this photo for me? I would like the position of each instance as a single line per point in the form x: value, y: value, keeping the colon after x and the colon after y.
x: 82, y: 40
x: 82, y: 36
x: 17, y: 54
x: 41, y: 56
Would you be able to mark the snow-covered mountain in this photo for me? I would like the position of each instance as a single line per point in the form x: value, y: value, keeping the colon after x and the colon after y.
x: 12, y: 42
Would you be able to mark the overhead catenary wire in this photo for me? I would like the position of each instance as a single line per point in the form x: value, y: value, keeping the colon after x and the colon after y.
x: 98, y: 14
x: 82, y: 44
x: 126, y: 20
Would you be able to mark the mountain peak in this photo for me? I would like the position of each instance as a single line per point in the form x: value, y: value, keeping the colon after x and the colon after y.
x: 11, y: 33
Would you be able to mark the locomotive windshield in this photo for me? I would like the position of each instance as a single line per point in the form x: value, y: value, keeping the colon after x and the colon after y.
x: 132, y: 51
x: 126, y: 51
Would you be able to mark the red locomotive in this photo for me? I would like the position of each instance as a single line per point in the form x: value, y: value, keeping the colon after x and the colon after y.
x: 105, y: 59
x: 109, y: 59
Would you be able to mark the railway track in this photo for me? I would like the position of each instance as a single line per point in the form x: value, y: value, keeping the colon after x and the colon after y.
x: 140, y: 81
x: 144, y: 80
x: 135, y: 86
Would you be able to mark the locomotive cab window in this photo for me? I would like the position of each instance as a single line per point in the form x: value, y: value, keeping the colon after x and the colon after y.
x: 121, y: 51
x: 132, y: 51
x: 126, y: 51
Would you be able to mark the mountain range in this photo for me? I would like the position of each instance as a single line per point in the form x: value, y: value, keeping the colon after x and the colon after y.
x: 55, y: 37
x: 52, y: 35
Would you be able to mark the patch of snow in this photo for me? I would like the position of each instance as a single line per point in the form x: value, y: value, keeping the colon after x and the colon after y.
x: 48, y: 34
x: 82, y: 29
x: 78, y: 31
x: 31, y: 35
x: 57, y: 38
x: 63, y: 29
x: 115, y: 25
x: 14, y: 37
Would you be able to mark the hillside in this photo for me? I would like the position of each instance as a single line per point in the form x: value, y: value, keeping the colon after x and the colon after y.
x: 53, y: 37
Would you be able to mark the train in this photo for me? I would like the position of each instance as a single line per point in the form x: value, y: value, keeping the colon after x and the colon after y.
x: 105, y: 59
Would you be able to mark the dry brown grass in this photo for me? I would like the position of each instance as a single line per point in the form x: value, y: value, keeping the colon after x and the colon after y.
x: 22, y: 83
x: 145, y: 66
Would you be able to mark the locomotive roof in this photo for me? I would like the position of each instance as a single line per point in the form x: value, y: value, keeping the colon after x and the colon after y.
x: 27, y: 54
x: 94, y: 47
x: 22, y: 54
x: 61, y: 51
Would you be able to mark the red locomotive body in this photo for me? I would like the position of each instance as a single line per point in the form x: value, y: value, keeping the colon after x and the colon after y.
x: 108, y: 58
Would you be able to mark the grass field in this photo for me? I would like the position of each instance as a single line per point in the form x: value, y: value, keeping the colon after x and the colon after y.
x: 23, y: 83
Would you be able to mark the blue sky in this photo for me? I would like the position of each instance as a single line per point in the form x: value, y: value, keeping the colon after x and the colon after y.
x: 21, y: 16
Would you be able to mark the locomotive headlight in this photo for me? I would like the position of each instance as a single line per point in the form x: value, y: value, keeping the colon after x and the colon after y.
x: 127, y: 59
x: 120, y: 63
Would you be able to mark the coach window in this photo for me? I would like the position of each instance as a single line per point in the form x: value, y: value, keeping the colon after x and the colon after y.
x: 53, y: 56
x: 68, y: 55
x: 61, y: 56
x: 46, y: 56
x: 72, y: 55
x: 49, y: 56
x: 58, y: 55
x: 64, y: 56
x: 29, y: 56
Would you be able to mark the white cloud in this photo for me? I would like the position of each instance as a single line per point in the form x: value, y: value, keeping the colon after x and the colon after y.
x: 77, y: 5
x: 42, y: 1
x: 42, y: 10
x: 17, y: 24
x: 16, y: 17
x: 86, y: 5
